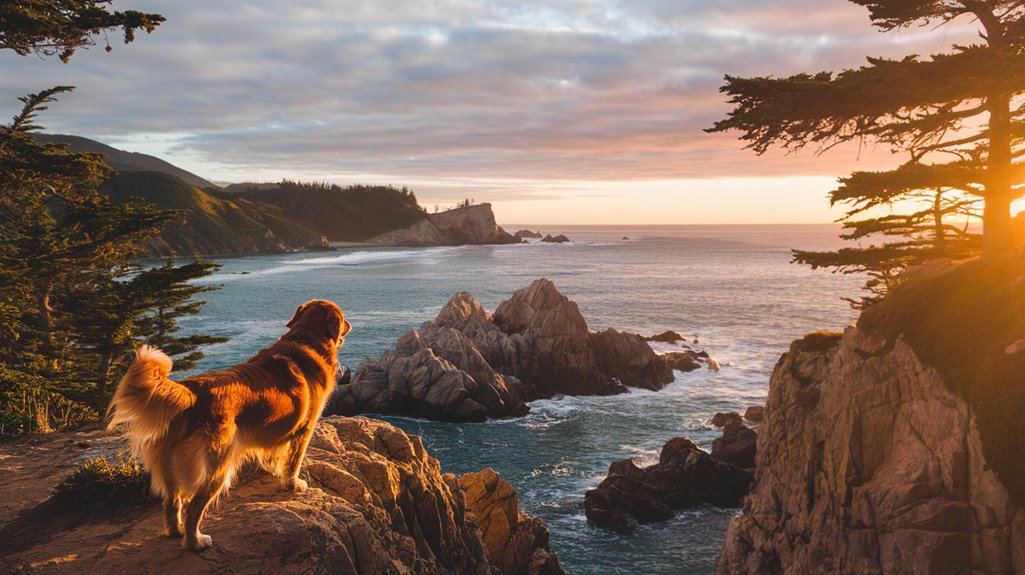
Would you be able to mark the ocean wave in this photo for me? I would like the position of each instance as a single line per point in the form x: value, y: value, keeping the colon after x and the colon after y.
x: 349, y: 259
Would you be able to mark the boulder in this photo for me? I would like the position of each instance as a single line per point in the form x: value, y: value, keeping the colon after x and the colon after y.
x: 516, y: 543
x: 737, y: 446
x: 731, y: 419
x: 667, y: 336
x: 754, y: 414
x: 377, y: 504
x: 559, y: 239
x: 629, y: 359
x: 685, y: 476
x: 682, y: 360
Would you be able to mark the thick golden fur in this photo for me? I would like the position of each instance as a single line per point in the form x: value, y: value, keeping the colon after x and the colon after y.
x: 193, y: 435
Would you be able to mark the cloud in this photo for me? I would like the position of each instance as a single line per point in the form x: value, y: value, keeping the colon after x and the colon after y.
x: 449, y: 89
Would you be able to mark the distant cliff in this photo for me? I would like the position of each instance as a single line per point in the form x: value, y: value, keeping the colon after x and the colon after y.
x: 897, y: 447
x: 467, y: 225
x: 378, y: 503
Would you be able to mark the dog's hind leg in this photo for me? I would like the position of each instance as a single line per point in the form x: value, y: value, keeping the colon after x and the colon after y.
x: 173, y: 515
x: 294, y: 459
x: 196, y: 508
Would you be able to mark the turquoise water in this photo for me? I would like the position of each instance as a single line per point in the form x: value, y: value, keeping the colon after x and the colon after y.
x: 730, y: 287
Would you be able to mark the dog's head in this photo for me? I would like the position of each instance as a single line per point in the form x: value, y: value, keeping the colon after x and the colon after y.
x: 320, y: 319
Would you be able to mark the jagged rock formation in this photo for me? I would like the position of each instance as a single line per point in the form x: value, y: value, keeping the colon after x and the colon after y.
x: 467, y: 365
x: 685, y: 476
x: 755, y: 414
x: 525, y: 234
x: 378, y: 503
x: 668, y: 336
x: 516, y: 543
x: 737, y: 445
x: 867, y: 463
x: 468, y: 225
x: 559, y: 239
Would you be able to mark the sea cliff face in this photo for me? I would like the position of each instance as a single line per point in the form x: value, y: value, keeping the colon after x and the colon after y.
x: 469, y: 225
x: 867, y: 463
x: 378, y: 503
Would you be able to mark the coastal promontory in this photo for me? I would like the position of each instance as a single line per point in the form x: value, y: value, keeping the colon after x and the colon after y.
x: 378, y: 503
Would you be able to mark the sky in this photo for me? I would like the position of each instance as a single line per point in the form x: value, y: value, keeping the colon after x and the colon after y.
x: 556, y: 112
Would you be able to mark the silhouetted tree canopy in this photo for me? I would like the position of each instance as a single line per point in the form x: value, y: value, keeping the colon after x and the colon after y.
x: 59, y: 27
x: 958, y: 115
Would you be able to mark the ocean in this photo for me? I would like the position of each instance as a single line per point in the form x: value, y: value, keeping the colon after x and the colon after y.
x: 729, y: 288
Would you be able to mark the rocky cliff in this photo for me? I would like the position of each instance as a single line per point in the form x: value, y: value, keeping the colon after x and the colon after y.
x: 378, y: 503
x: 468, y: 365
x: 868, y: 463
x: 468, y: 225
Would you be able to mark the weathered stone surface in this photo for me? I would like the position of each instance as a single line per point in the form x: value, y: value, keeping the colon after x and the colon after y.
x: 629, y: 359
x: 685, y: 476
x: 559, y: 239
x: 668, y: 336
x: 516, y: 543
x: 866, y: 463
x: 727, y: 419
x: 469, y: 225
x: 467, y: 365
x: 525, y: 234
x: 737, y: 446
x: 683, y: 360
x: 755, y: 414
x: 377, y: 504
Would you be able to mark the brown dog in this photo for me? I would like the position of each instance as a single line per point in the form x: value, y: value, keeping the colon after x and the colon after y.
x: 193, y: 435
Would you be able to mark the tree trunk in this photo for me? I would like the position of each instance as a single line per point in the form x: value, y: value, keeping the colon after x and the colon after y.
x: 996, y: 218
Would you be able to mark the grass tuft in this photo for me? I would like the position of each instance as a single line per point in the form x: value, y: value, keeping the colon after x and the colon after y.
x: 120, y: 481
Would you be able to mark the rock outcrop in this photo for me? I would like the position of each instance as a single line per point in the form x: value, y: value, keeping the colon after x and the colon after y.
x: 378, y: 503
x: 467, y: 365
x: 527, y: 234
x: 867, y: 463
x: 468, y: 225
x: 516, y: 543
x: 685, y: 476
x: 737, y: 446
x: 668, y: 336
x: 559, y: 239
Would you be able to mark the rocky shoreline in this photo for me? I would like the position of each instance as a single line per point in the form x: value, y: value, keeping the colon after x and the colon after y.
x: 378, y: 503
x: 469, y: 365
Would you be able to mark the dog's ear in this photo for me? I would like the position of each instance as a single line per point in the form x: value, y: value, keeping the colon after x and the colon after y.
x: 298, y: 312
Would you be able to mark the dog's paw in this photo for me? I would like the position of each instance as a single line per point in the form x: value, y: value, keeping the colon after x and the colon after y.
x: 297, y: 485
x: 202, y: 542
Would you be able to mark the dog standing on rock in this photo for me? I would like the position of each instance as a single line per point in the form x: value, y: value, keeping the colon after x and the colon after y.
x: 193, y: 435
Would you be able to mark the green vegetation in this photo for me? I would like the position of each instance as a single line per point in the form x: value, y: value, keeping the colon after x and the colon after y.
x: 958, y: 116
x: 59, y: 27
x: 212, y: 223
x: 122, y: 481
x: 72, y: 302
x: 353, y: 213
x: 962, y: 319
x: 910, y: 239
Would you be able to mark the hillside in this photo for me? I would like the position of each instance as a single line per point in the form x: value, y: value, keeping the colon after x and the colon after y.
x: 213, y: 225
x: 123, y: 161
x: 354, y: 213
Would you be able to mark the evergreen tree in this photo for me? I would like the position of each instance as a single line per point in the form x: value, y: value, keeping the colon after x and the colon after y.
x: 72, y: 303
x: 59, y: 27
x: 937, y: 228
x: 964, y: 106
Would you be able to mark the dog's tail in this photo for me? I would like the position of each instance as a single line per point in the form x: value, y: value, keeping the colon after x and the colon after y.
x: 146, y: 400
